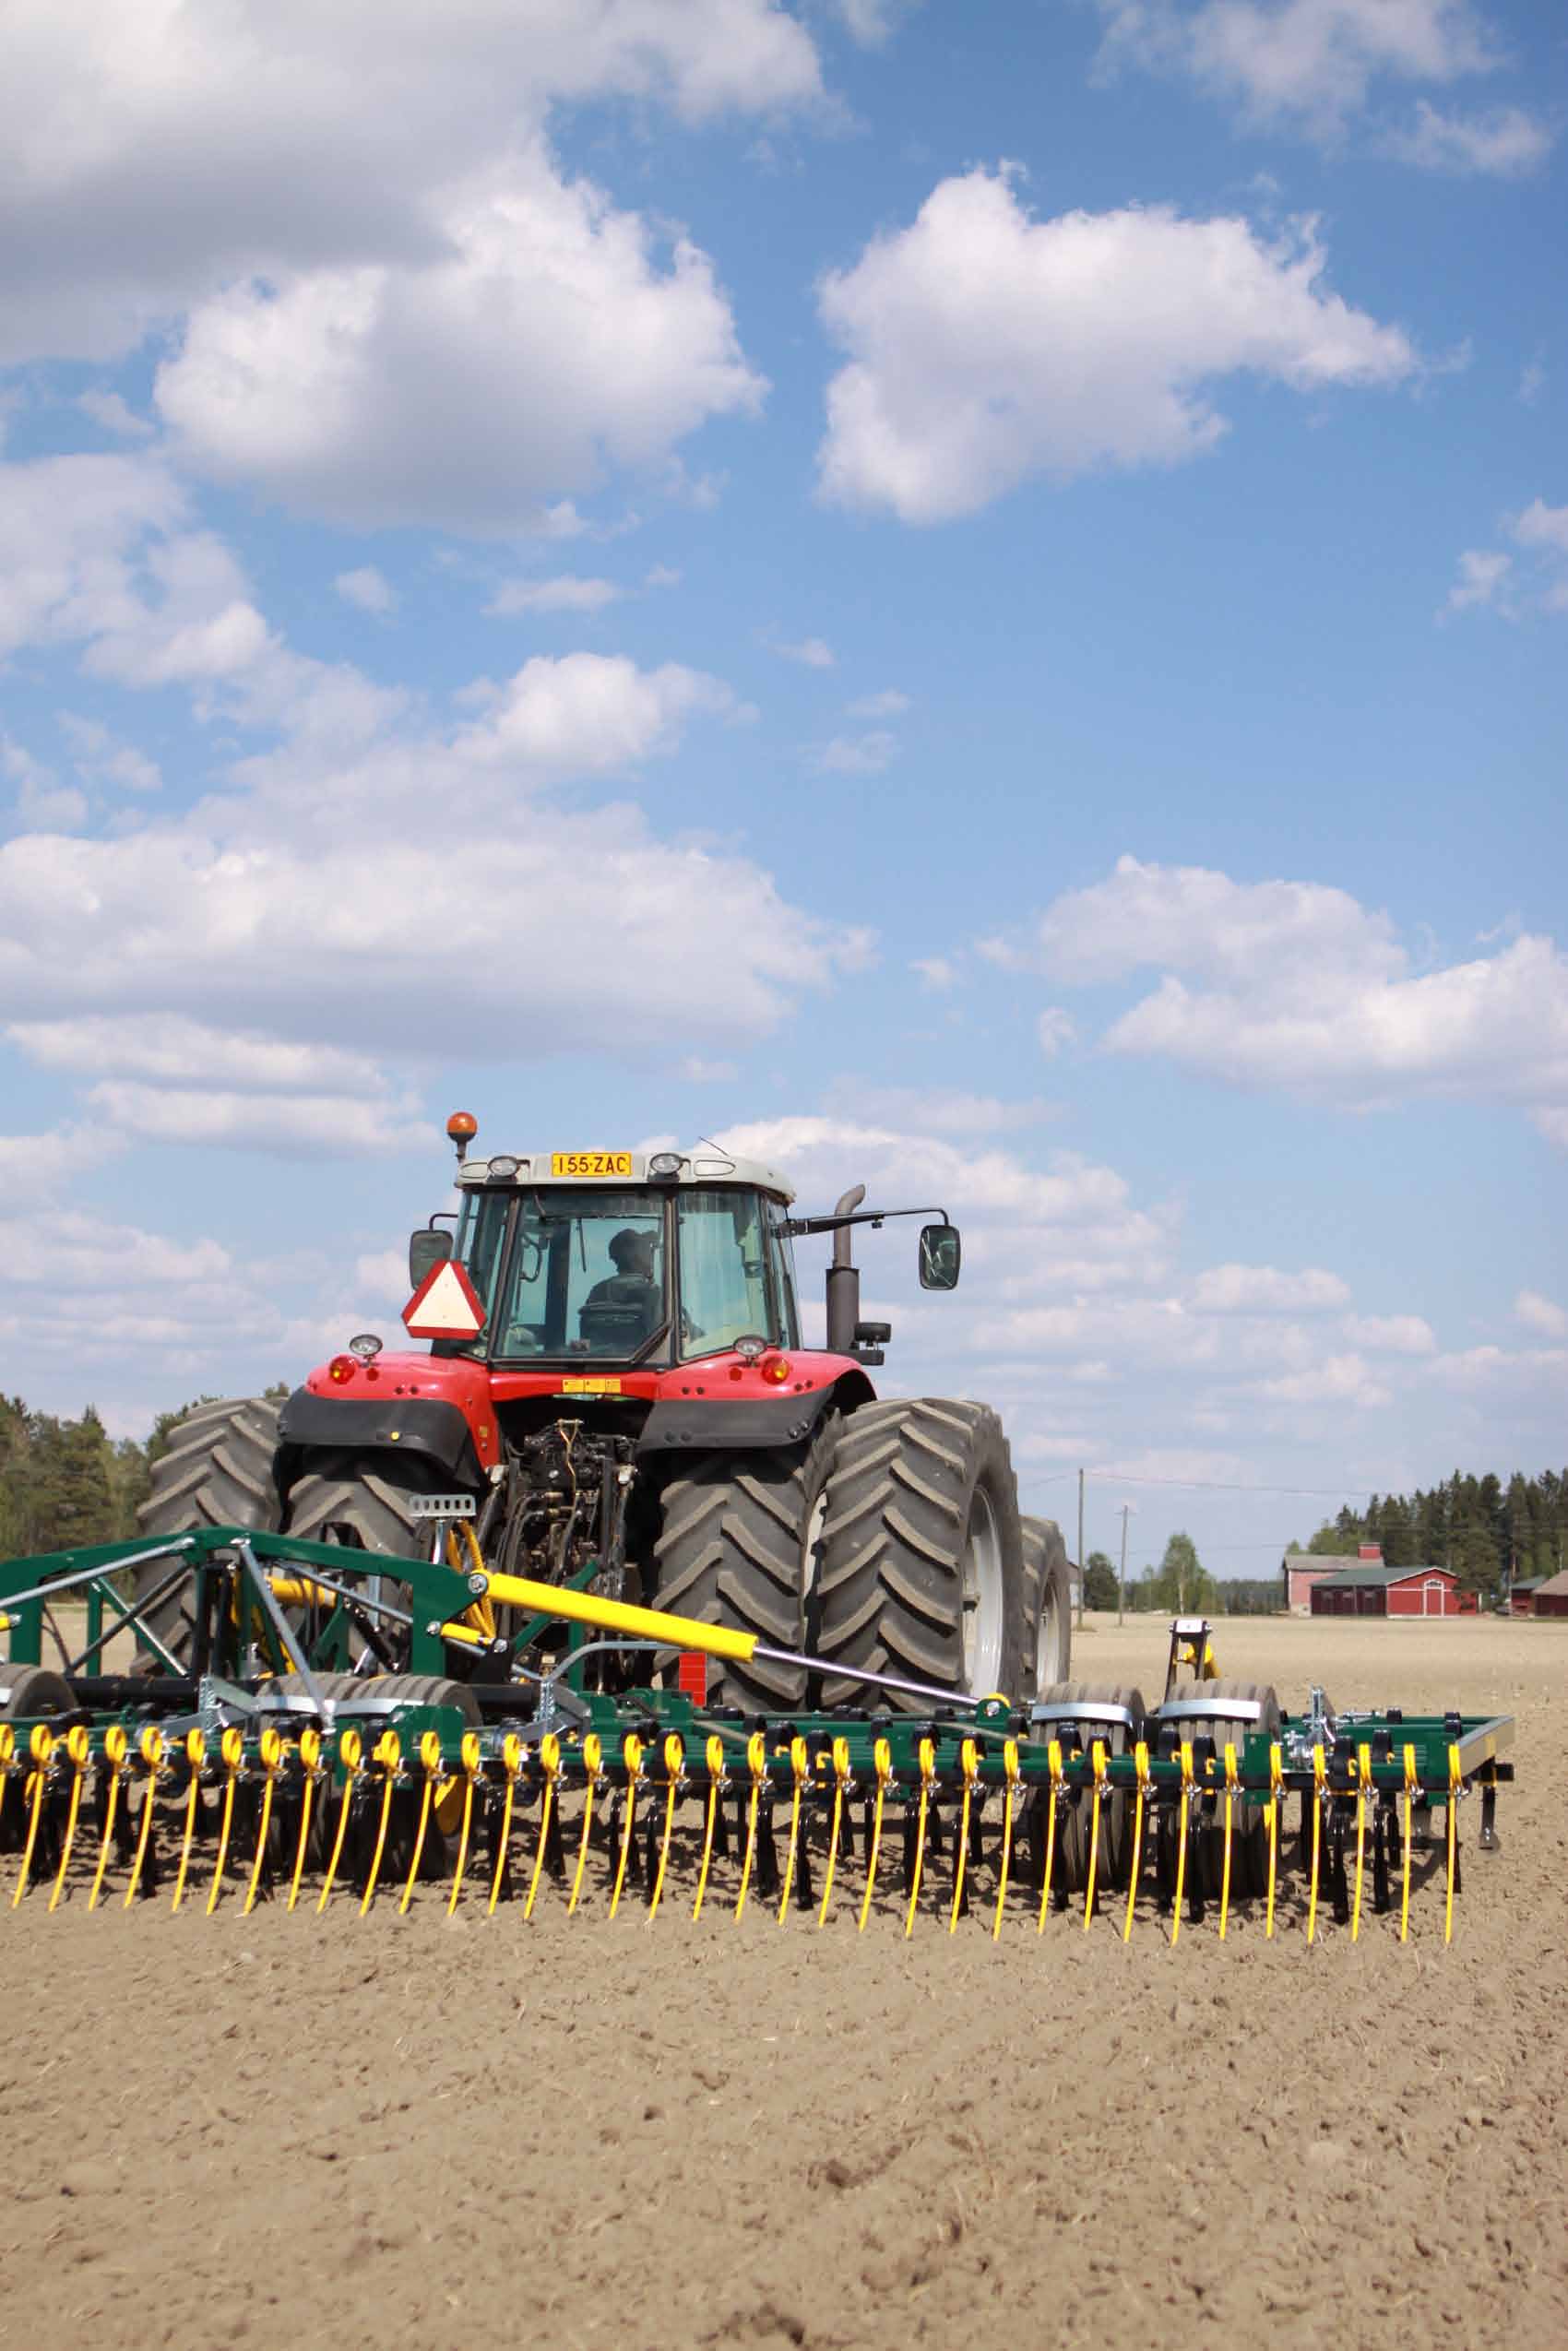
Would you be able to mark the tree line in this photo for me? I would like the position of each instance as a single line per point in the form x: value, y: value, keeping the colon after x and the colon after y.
x: 68, y: 1482
x: 1180, y: 1586
x: 1492, y: 1532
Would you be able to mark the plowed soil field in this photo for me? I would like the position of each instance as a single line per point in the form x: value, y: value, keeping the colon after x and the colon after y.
x: 422, y: 2131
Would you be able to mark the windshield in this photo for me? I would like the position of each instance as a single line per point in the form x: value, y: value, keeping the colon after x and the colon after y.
x: 586, y: 1273
x: 586, y: 1276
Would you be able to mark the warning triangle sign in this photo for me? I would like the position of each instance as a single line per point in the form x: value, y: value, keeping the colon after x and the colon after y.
x: 444, y: 1306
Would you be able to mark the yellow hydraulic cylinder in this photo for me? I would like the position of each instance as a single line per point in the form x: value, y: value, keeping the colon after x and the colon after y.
x: 620, y: 1616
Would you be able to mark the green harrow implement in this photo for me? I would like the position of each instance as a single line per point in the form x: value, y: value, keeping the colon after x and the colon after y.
x: 306, y: 1737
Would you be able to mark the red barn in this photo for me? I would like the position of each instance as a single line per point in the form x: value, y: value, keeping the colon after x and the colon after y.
x: 1363, y: 1589
x: 1303, y: 1570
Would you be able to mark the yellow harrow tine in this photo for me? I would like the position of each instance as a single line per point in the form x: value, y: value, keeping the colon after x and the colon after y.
x: 1409, y: 1806
x: 40, y: 1746
x: 429, y: 1762
x: 231, y: 1748
x: 593, y: 1758
x: 969, y: 1757
x: 1275, y: 1798
x: 1097, y: 1759
x: 928, y: 1771
x: 882, y: 1756
x: 1140, y: 1762
x: 674, y: 1776
x: 310, y: 1765
x: 1181, y: 1838
x: 389, y: 1754
x: 1054, y: 1771
x: 1454, y: 1780
x: 1364, y: 1777
x: 716, y: 1784
x: 841, y: 1784
x: 151, y: 1744
x: 800, y: 1766
x: 79, y: 1746
x: 470, y: 1752
x: 632, y: 1756
x: 756, y: 1764
x: 1230, y: 1819
x: 1320, y: 1776
x: 1010, y: 1766
x: 549, y: 1759
x: 271, y: 1757
x: 350, y: 1750
x: 196, y: 1755
x: 116, y: 1747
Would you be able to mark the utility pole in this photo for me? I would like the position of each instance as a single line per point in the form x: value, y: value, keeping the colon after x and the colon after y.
x: 1122, y: 1579
x: 1080, y: 1551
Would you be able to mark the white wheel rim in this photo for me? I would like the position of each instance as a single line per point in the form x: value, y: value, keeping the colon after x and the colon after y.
x: 983, y: 1599
x: 1048, y: 1648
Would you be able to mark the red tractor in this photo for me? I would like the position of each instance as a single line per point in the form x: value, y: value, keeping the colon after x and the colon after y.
x: 622, y: 1394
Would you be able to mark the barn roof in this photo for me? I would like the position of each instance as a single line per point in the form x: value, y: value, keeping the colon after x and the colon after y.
x: 1379, y: 1574
x: 1555, y: 1587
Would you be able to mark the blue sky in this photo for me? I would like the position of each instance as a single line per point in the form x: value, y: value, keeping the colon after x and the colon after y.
x: 973, y: 597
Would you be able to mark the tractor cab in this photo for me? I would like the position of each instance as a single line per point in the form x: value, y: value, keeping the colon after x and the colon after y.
x: 612, y: 1258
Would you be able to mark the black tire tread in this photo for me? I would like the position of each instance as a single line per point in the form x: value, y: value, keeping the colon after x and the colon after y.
x: 1046, y: 1575
x: 732, y: 1551
x: 217, y: 1472
x: 898, y: 1502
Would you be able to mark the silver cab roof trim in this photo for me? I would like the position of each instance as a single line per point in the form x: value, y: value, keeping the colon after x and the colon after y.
x: 703, y: 1166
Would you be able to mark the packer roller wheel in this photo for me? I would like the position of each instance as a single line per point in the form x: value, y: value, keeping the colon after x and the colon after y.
x: 1249, y: 1836
x: 1116, y: 1810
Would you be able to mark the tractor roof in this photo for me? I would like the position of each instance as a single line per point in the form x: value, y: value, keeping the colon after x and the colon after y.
x: 616, y: 1169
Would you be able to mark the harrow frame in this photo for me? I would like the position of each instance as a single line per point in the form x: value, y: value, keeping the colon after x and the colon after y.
x: 211, y: 1733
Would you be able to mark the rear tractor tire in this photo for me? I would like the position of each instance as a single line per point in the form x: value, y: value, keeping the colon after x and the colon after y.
x: 345, y: 1498
x: 735, y: 1547
x: 923, y: 1573
x: 217, y: 1472
x: 1047, y: 1584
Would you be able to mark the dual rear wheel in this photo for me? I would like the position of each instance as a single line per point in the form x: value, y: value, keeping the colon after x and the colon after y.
x: 889, y: 1542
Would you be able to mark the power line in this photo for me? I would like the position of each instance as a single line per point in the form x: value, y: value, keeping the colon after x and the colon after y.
x: 1196, y: 1485
x: 1217, y: 1485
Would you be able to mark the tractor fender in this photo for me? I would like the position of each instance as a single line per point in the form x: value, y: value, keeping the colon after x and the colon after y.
x: 425, y: 1426
x: 752, y: 1425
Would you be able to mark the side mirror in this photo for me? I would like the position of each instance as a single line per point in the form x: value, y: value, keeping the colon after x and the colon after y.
x: 428, y: 1248
x: 942, y: 1254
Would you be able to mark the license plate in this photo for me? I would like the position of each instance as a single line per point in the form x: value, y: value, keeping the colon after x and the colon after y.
x: 590, y: 1163
x: 590, y: 1387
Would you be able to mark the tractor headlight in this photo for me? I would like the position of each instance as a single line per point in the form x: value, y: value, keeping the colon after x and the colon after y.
x: 665, y: 1165
x: 366, y: 1347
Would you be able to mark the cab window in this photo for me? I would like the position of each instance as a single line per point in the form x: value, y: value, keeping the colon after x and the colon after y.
x: 781, y: 1263
x: 725, y: 1285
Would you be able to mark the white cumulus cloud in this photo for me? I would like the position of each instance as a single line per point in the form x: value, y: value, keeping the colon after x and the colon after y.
x: 1297, y: 986
x: 368, y: 590
x: 986, y: 346
x: 159, y: 154
x: 1266, y: 1289
x: 1540, y: 1314
x: 1315, y: 62
x: 1506, y: 142
x: 544, y: 338
x: 568, y: 592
